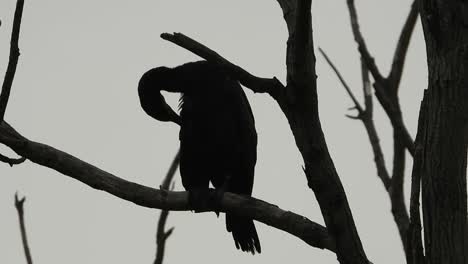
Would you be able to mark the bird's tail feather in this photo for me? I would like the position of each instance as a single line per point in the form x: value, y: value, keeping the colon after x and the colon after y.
x: 244, y: 233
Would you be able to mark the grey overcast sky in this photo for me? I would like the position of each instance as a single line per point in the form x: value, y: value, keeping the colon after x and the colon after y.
x: 75, y: 89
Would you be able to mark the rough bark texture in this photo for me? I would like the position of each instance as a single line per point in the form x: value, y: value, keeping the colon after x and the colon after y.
x: 270, y: 214
x: 442, y: 135
x: 303, y: 117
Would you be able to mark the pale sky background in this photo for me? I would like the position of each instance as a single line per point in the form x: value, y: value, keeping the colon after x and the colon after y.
x: 76, y: 89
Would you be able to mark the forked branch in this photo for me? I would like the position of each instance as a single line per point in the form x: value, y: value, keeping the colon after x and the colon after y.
x: 20, y: 209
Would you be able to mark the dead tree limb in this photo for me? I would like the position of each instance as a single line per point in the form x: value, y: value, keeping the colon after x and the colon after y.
x: 19, y: 207
x: 394, y: 184
x: 386, y: 88
x: 270, y: 214
x: 299, y: 104
x: 13, y: 60
x: 161, y: 234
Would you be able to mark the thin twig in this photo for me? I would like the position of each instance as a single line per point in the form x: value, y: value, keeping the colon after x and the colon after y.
x: 161, y: 234
x: 368, y: 121
x: 19, y: 207
x: 12, y: 161
x: 343, y: 82
x: 13, y: 60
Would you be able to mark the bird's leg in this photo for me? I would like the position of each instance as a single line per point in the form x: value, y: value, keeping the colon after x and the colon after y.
x: 219, y: 192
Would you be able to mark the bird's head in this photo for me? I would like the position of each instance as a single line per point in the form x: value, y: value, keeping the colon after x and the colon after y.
x: 152, y: 101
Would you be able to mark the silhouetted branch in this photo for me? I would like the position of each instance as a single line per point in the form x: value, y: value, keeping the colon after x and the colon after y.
x: 301, y: 110
x: 297, y: 225
x: 161, y: 234
x: 258, y: 85
x: 343, y: 82
x: 13, y: 60
x: 394, y: 185
x: 370, y: 62
x: 402, y: 46
x: 386, y: 88
x: 11, y: 161
x: 19, y: 207
x: 399, y: 211
x: 365, y: 115
x: 368, y: 121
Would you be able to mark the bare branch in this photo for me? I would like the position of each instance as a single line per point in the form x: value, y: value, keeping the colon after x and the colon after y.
x: 370, y: 62
x: 367, y: 89
x: 258, y: 85
x: 368, y: 121
x: 399, y: 211
x: 19, y: 207
x: 166, y: 184
x: 297, y: 225
x: 161, y: 234
x: 402, y: 47
x: 13, y: 60
x: 343, y: 82
x: 301, y: 111
x: 12, y: 161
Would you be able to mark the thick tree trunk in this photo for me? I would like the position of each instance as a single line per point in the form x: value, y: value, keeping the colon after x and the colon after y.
x: 441, y: 144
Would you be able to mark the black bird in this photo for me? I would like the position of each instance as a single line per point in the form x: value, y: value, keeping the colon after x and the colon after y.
x: 218, y: 140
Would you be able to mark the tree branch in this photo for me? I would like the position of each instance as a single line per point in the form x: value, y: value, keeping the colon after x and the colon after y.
x: 161, y: 234
x: 343, y: 82
x: 402, y: 47
x: 13, y: 60
x: 386, y: 88
x: 258, y: 85
x: 297, y: 225
x: 400, y: 214
x: 394, y: 185
x: 12, y: 161
x: 370, y: 62
x: 302, y: 114
x: 19, y: 207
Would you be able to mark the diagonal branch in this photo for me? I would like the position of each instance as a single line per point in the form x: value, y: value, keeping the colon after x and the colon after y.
x: 368, y: 121
x: 161, y: 233
x: 399, y: 211
x: 370, y: 62
x: 402, y: 47
x: 19, y: 207
x: 343, y: 82
x: 13, y: 60
x: 258, y: 85
x: 304, y: 121
x: 270, y: 214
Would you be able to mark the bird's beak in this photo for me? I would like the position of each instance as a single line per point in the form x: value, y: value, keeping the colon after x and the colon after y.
x: 156, y: 107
